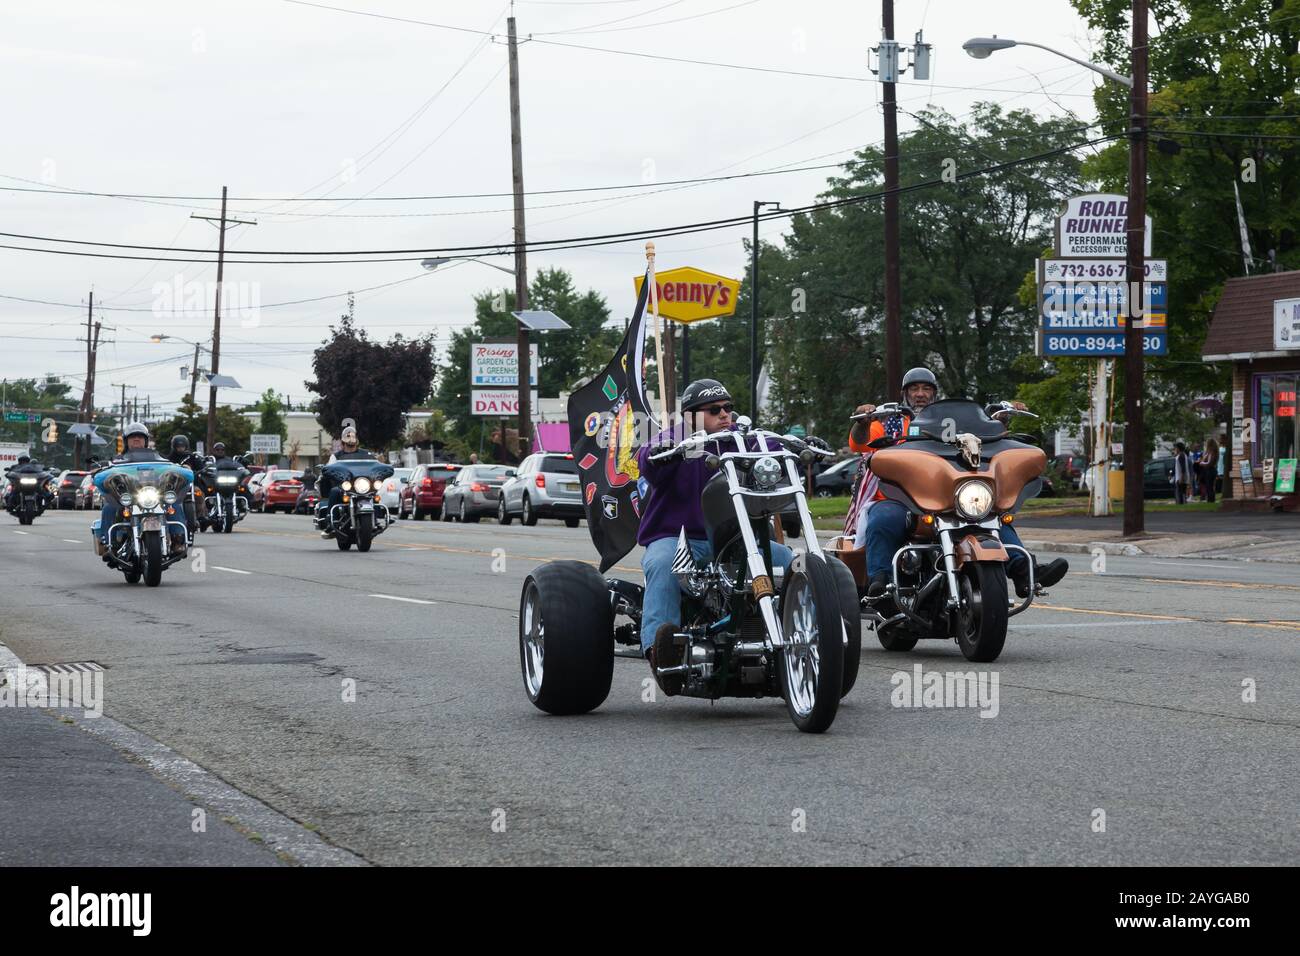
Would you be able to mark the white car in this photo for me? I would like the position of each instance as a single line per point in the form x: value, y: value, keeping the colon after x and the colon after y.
x: 390, y: 492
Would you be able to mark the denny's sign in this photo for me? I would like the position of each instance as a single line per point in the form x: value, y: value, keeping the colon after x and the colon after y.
x: 689, y: 295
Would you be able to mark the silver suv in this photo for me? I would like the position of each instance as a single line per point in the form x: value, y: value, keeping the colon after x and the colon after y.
x: 544, y: 486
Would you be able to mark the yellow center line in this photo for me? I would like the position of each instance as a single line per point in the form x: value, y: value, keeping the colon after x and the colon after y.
x: 1276, y: 625
x: 1248, y: 586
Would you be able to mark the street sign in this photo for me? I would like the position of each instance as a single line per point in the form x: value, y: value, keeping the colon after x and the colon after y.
x: 496, y: 364
x: 1082, y: 308
x: 498, y: 402
x: 264, y: 444
x: 1095, y: 227
x: 15, y: 416
x: 690, y: 295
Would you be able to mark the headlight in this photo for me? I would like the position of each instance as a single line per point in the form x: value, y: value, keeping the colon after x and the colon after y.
x: 27, y: 481
x: 226, y: 479
x: 766, y: 472
x: 148, y: 498
x: 125, y: 499
x: 362, y: 485
x: 346, y: 486
x: 974, y: 500
x: 170, y: 498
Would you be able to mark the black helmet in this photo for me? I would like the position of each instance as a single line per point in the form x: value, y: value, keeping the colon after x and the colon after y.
x: 218, y: 447
x: 135, y: 428
x: 704, y: 391
x: 180, y: 444
x: 24, y: 459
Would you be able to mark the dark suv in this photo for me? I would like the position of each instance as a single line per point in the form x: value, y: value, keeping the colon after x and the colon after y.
x: 65, y: 488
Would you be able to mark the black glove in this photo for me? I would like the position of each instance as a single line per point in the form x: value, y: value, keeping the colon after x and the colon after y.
x: 816, y: 442
x: 661, y: 446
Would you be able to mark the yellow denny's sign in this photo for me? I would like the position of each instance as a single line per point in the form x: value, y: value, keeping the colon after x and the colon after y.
x: 689, y: 295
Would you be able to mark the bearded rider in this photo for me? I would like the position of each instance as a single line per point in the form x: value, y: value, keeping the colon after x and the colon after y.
x: 331, y: 495
x: 674, y: 504
x: 887, y: 520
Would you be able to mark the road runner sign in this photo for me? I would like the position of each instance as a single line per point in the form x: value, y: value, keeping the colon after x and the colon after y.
x: 1095, y: 227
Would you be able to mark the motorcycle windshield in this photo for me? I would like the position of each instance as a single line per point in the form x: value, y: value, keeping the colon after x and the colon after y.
x: 952, y: 416
x: 130, y: 477
x: 360, y: 468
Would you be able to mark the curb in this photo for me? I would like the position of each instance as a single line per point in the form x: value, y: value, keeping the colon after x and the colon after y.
x: 1078, y: 547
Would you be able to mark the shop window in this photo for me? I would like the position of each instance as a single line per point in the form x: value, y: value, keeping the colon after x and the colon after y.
x: 1279, y: 425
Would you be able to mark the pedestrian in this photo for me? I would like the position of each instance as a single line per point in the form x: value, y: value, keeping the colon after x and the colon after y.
x: 473, y: 458
x: 1181, y: 473
x: 1209, y: 470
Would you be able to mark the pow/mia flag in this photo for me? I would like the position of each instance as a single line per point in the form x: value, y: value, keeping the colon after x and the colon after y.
x: 608, y: 419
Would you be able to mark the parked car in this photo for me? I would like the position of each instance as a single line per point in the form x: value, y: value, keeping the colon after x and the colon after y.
x: 544, y: 486
x: 390, y: 492
x: 65, y: 488
x: 1073, y: 467
x: 837, y: 479
x: 473, y: 493
x: 1158, y: 478
x: 422, y: 493
x: 280, y: 489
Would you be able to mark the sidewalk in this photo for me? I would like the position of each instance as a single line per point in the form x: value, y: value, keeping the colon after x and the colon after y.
x: 1231, y: 536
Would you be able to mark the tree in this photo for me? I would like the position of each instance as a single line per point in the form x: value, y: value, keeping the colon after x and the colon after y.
x: 372, y: 383
x: 191, y: 420
x: 272, y: 421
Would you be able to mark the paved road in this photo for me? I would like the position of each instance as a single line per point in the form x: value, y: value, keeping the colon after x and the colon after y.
x: 1124, y: 695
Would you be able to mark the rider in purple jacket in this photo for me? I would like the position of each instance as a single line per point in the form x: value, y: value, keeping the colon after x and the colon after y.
x: 674, y: 504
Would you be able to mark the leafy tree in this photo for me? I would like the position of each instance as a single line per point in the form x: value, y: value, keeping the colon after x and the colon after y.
x: 272, y: 421
x: 43, y: 396
x: 369, y: 382
x: 1225, y: 77
x: 191, y: 420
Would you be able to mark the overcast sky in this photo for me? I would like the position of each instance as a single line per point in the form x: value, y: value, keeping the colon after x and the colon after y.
x: 276, y: 99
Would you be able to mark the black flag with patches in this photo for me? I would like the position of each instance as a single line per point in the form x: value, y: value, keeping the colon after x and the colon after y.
x: 608, y: 417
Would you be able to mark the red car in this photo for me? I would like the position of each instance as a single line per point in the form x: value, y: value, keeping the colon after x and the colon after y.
x: 281, y: 489
x: 422, y: 494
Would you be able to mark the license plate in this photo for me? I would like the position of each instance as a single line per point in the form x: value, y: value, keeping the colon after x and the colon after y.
x: 365, y: 506
x: 151, y: 523
x: 568, y: 487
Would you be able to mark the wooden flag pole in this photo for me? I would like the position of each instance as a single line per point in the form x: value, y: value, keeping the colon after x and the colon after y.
x: 654, y: 310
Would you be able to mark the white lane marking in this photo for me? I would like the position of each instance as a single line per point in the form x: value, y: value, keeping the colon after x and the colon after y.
x: 71, y: 541
x: 20, y: 532
x: 394, y: 597
x: 217, y: 567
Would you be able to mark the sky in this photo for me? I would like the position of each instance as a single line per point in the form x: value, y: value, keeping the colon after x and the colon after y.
x: 279, y: 100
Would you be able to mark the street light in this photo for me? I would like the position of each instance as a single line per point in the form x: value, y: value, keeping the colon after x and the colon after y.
x: 159, y: 337
x: 1135, y: 232
x: 981, y: 48
x: 432, y: 264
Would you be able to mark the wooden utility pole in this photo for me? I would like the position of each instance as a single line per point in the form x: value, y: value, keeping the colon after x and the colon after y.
x: 86, y: 410
x: 521, y: 256
x: 223, y: 224
x: 1134, y: 359
x: 194, y: 372
x: 893, y: 296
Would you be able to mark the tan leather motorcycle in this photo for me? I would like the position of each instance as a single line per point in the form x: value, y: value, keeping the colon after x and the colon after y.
x: 961, y: 476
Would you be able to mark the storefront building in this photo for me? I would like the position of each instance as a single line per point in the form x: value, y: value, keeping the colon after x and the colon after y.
x: 1256, y: 327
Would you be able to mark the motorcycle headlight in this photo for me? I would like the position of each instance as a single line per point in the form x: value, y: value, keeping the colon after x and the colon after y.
x: 346, y: 486
x: 226, y: 479
x: 766, y: 472
x: 362, y: 485
x: 27, y: 481
x: 148, y: 498
x: 974, y: 500
x: 170, y: 498
x: 125, y: 499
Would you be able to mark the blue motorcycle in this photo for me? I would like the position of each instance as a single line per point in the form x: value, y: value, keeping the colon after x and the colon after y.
x: 150, y: 533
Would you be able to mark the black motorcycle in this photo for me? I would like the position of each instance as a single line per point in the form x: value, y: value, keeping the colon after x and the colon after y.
x: 28, y: 495
x: 222, y: 499
x: 360, y: 515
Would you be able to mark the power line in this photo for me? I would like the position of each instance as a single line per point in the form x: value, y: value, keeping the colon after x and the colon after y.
x: 658, y: 23
x: 553, y: 245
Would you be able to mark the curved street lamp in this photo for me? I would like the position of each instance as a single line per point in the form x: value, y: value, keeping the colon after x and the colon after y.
x: 981, y: 48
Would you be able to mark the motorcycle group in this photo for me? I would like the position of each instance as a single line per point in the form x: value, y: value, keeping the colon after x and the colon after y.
x: 153, y: 505
x: 728, y: 609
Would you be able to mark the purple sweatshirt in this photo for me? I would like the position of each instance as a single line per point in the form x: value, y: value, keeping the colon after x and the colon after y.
x: 676, y: 488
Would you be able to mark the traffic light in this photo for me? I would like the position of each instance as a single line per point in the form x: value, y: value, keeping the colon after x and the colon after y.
x: 52, y: 434
x: 119, y: 444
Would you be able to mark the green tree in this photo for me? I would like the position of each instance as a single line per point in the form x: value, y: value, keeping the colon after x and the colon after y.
x: 191, y: 420
x: 272, y: 421
x: 1224, y: 77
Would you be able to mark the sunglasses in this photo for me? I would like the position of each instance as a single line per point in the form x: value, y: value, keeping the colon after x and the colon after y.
x: 718, y: 409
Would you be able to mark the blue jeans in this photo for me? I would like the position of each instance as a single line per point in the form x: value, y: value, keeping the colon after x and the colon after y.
x: 887, y: 532
x: 662, y: 603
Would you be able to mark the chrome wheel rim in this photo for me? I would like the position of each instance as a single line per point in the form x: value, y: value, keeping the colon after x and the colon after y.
x: 533, y: 632
x: 802, y: 650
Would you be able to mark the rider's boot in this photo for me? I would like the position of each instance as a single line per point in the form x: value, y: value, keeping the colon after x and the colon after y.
x: 666, y: 653
x: 1045, y: 575
x: 881, y: 600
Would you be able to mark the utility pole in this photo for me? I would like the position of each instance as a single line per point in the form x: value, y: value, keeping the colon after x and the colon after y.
x: 521, y: 257
x: 893, y: 296
x: 753, y: 314
x: 223, y: 224
x: 1134, y: 359
x: 85, y: 411
x: 194, y: 371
